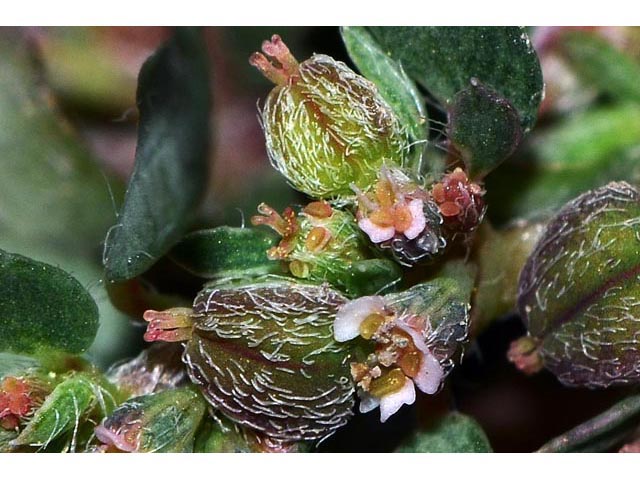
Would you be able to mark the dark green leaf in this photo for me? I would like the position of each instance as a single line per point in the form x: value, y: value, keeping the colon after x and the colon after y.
x: 453, y: 433
x: 393, y: 84
x: 226, y: 252
x: 581, y: 153
x: 52, y: 194
x: 578, y: 291
x: 445, y: 59
x: 170, y: 173
x: 483, y: 127
x: 602, y: 65
x: 590, y: 140
x: 42, y: 308
x: 602, y: 432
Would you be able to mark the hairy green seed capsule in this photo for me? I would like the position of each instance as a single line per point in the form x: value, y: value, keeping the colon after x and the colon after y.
x: 263, y: 354
x: 326, y: 127
x: 579, y: 293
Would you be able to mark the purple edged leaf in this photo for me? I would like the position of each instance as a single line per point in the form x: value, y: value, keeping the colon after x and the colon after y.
x: 579, y: 293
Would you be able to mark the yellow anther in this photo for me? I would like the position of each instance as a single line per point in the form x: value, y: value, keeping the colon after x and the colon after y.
x: 299, y: 269
x: 370, y: 325
x: 387, y: 384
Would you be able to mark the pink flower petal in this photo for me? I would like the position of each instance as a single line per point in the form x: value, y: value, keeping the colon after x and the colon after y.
x: 376, y: 234
x: 390, y: 404
x: 368, y: 402
x: 431, y: 373
x: 346, y: 326
x: 109, y: 437
x: 418, y: 222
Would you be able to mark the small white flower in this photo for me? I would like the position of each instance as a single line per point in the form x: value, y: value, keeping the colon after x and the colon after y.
x: 389, y: 404
x: 346, y: 326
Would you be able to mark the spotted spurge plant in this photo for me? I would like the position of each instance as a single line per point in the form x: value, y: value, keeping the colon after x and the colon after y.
x: 373, y: 290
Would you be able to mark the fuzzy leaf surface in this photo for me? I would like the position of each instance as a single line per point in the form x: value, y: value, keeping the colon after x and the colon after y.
x: 170, y: 173
x: 43, y: 308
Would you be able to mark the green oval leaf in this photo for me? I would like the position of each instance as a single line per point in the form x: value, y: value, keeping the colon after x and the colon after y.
x: 579, y: 293
x: 445, y: 59
x: 43, y: 308
x: 590, y: 140
x: 600, y: 433
x: 483, y: 127
x: 584, y: 152
x: 226, y: 252
x: 44, y: 164
x: 602, y: 65
x: 393, y: 84
x: 170, y: 172
x: 453, y: 433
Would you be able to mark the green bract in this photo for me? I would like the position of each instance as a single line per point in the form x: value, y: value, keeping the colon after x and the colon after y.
x: 159, y: 422
x: 65, y: 410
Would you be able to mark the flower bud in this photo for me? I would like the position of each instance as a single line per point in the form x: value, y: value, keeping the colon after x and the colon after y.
x: 523, y: 353
x: 263, y: 354
x: 326, y: 127
x: 161, y: 422
x: 460, y: 201
x: 20, y: 397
